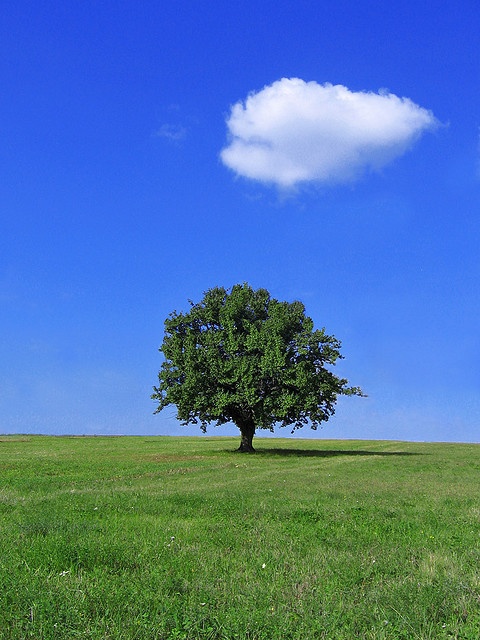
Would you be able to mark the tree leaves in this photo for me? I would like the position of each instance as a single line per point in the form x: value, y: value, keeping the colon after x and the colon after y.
x: 243, y: 356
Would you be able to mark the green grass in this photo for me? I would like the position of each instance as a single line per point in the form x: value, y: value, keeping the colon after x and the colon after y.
x: 181, y: 538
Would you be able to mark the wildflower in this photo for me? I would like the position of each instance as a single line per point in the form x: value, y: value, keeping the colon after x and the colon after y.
x: 263, y: 565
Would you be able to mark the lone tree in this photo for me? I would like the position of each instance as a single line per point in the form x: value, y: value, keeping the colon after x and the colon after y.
x: 241, y: 356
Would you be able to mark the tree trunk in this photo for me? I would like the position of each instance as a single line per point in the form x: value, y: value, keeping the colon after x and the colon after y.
x: 247, y: 431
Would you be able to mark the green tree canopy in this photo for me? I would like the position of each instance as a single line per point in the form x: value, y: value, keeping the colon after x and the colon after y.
x: 241, y: 356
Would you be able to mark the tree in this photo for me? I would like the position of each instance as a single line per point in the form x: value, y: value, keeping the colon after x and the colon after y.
x: 241, y: 356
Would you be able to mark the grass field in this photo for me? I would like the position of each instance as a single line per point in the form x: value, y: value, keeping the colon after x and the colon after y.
x: 181, y: 538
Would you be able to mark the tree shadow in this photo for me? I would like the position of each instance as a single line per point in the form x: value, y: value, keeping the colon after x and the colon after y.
x: 328, y: 453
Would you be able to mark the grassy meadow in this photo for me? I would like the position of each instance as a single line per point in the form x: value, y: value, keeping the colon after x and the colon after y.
x: 162, y: 538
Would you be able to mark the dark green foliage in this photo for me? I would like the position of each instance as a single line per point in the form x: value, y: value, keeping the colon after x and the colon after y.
x: 245, y: 357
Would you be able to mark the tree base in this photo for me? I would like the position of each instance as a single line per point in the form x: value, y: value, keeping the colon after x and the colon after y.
x: 247, y: 431
x: 243, y: 448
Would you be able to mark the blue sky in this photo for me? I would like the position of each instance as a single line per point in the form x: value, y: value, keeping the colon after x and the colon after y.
x: 351, y: 182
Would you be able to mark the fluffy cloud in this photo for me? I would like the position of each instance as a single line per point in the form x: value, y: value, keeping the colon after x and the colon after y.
x: 294, y: 131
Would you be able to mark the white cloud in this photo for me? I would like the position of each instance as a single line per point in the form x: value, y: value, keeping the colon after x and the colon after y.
x: 172, y: 132
x: 294, y: 131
